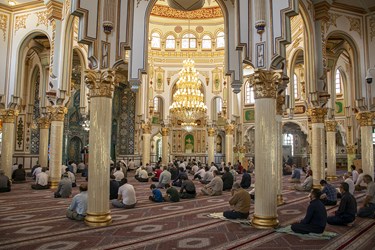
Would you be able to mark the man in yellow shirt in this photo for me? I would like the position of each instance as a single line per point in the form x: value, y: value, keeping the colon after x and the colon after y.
x: 240, y: 202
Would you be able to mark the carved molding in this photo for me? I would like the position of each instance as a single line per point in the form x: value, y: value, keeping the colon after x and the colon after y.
x: 164, y: 131
x: 57, y: 113
x: 52, y: 50
x: 204, y: 13
x: 332, y: 19
x: 54, y: 9
x: 44, y: 123
x: 317, y: 114
x: 211, y: 131
x: 355, y: 24
x: 266, y: 82
x: 350, y: 149
x: 365, y: 118
x: 9, y: 115
x: 331, y: 126
x: 3, y: 25
x: 101, y: 83
x: 280, y: 101
x: 42, y: 18
x: 372, y: 28
x: 146, y: 128
x: 229, y: 129
x: 20, y: 22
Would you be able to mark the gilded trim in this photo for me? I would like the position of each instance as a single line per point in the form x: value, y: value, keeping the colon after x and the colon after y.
x: 229, y: 129
x: 365, y: 118
x: 265, y: 83
x: 211, y: 131
x: 44, y: 123
x: 9, y: 115
x: 20, y: 22
x: 204, y: 13
x: 3, y: 24
x: 317, y: 114
x: 164, y: 131
x: 57, y: 113
x: 146, y: 128
x: 101, y: 83
x: 331, y: 126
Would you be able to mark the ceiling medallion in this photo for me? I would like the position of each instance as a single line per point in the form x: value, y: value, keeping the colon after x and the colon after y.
x: 178, y: 29
x: 186, y: 5
x: 199, y: 29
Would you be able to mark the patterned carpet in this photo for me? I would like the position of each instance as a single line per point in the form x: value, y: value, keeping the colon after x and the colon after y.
x: 32, y: 219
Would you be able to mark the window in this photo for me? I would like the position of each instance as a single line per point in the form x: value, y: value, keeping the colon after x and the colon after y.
x: 170, y: 43
x: 219, y: 105
x: 206, y: 42
x: 373, y: 135
x: 288, y: 141
x: 338, y: 81
x: 249, y: 94
x: 189, y: 41
x: 156, y: 104
x: 220, y: 40
x: 295, y: 85
x: 155, y: 40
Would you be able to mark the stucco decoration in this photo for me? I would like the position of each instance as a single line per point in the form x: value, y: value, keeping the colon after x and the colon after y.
x: 42, y: 18
x: 20, y: 22
x: 3, y: 24
x: 355, y: 24
x: 206, y: 13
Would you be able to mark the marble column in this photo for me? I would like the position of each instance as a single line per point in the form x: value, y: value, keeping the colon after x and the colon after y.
x: 317, y: 144
x: 229, y: 129
x: 211, y: 145
x: 9, y: 118
x: 265, y: 85
x: 57, y: 114
x: 331, y: 149
x: 146, y: 149
x: 164, y: 150
x: 279, y: 157
x: 44, y: 125
x: 350, y: 155
x: 241, y: 156
x: 365, y: 120
x: 101, y: 84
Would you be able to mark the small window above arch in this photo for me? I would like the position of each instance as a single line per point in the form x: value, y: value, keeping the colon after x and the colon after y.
x: 155, y: 40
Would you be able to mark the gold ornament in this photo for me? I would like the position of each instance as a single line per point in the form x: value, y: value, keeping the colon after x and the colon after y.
x: 57, y: 113
x: 331, y: 126
x: 146, y: 128
x: 101, y: 83
x: 164, y: 131
x: 44, y: 123
x: 350, y: 149
x: 317, y: 114
x: 9, y: 115
x: 211, y: 131
x: 365, y: 118
x: 229, y: 128
x: 265, y: 83
x: 280, y: 100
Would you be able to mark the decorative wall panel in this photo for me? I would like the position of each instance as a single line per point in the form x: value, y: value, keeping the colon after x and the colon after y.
x: 125, y: 99
x: 35, y: 132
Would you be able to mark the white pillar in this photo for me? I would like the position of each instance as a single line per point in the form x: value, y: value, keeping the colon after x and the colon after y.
x: 266, y: 146
x: 331, y: 149
x: 317, y: 144
x: 229, y: 128
x: 7, y: 149
x: 57, y: 127
x: 211, y: 145
x: 101, y: 85
x: 165, y: 139
x: 146, y: 150
x: 279, y: 152
x: 44, y: 124
x: 367, y: 151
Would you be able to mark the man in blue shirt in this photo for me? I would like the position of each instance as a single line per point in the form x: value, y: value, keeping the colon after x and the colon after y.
x: 78, y: 207
x: 156, y: 196
x: 296, y: 175
x: 316, y: 216
x: 329, y: 194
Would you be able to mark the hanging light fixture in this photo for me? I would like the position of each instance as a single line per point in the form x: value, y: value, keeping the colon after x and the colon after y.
x: 188, y: 105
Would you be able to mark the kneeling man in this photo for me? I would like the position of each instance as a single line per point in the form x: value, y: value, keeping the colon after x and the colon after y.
x: 240, y: 202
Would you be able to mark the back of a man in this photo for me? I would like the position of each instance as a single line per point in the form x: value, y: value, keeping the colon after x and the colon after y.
x: 128, y: 194
x: 19, y: 175
x: 64, y: 189
x: 240, y: 201
x: 164, y: 178
x: 4, y: 182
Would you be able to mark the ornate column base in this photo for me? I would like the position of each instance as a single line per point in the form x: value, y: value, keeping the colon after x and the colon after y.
x: 264, y: 222
x: 98, y: 220
x: 331, y: 177
x: 54, y: 184
x: 280, y: 200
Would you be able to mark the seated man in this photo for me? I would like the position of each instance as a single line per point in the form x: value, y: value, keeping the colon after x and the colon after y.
x: 164, y: 178
x: 200, y: 173
x: 215, y: 187
x: 345, y: 214
x: 227, y: 179
x: 78, y: 207
x: 316, y: 216
x: 360, y: 185
x: 64, y: 189
x: 240, y: 202
x: 329, y: 194
x: 181, y: 174
x: 296, y: 175
x: 172, y: 194
x: 41, y: 181
x: 368, y: 206
x: 142, y: 175
x: 113, y: 187
x: 126, y: 196
x: 19, y: 175
x: 157, y: 174
x: 4, y: 182
x: 156, y: 196
x: 246, y: 179
x: 207, y: 177
x: 307, y: 184
x: 187, y: 190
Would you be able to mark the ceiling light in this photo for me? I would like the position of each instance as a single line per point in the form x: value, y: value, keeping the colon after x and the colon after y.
x: 12, y: 3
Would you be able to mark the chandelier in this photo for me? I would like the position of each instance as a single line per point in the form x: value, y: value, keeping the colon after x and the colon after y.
x: 188, y: 105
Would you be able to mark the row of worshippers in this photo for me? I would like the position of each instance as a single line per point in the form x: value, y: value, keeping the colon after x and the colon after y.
x: 18, y: 176
x: 316, y: 217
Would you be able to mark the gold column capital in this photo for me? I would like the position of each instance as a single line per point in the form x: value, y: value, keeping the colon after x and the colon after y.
x: 44, y: 122
x: 57, y: 113
x: 265, y: 83
x: 211, y: 131
x: 9, y: 115
x: 164, y: 131
x: 242, y: 149
x: 317, y: 114
x: 146, y: 128
x: 229, y: 129
x: 350, y: 149
x: 365, y: 118
x: 331, y: 126
x: 101, y: 83
x: 280, y: 101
